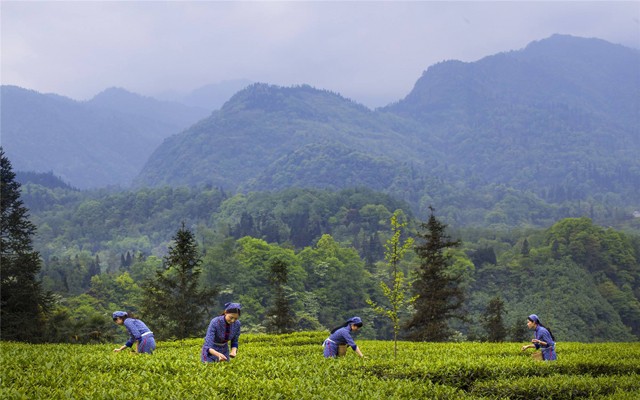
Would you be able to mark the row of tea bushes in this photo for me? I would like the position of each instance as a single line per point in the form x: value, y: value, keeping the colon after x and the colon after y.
x: 292, y: 366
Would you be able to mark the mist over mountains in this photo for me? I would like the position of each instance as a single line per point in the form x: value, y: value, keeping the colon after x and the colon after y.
x: 559, y: 119
x: 96, y: 143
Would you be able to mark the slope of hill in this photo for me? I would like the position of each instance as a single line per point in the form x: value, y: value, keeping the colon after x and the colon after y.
x: 175, y: 116
x: 328, y: 166
x: 210, y: 97
x: 263, y: 123
x: 559, y: 118
x: 98, y: 143
x: 45, y: 179
x: 564, y: 111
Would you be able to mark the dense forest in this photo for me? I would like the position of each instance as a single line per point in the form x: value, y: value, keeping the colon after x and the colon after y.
x: 99, y: 247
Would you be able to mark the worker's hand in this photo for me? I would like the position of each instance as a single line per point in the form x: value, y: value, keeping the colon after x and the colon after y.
x: 233, y: 352
x: 524, y: 348
x: 221, y: 356
x: 117, y: 350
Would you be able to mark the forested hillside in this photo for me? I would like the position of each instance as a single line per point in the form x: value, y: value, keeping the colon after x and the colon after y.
x: 261, y: 124
x: 555, y: 124
x: 559, y: 118
x: 100, y: 247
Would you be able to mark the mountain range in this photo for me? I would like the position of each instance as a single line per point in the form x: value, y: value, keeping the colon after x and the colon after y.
x: 559, y: 119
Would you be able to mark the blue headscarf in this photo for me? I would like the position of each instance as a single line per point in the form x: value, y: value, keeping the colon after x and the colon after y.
x: 231, y: 306
x: 534, y: 318
x: 119, y: 314
x: 355, y: 320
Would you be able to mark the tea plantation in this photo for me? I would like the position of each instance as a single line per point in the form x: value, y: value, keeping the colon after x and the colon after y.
x: 292, y: 367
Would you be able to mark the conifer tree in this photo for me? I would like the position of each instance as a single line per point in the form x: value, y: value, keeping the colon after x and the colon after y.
x: 525, y: 248
x: 493, y: 322
x: 281, y: 315
x: 440, y: 297
x: 174, y: 303
x: 519, y: 331
x: 23, y: 302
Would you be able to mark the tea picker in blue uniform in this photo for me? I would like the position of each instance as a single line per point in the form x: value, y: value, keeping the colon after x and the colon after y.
x: 138, y: 332
x: 342, y: 336
x: 543, y: 339
x: 223, y: 329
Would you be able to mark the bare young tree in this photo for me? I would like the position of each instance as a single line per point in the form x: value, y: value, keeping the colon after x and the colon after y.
x: 396, y: 290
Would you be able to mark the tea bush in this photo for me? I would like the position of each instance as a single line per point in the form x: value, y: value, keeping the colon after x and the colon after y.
x: 292, y: 366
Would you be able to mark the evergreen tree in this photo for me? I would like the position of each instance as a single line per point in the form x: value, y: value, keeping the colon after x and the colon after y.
x: 555, y: 249
x: 23, y: 302
x: 493, y: 322
x: 174, y: 302
x: 519, y: 332
x: 281, y: 315
x: 92, y: 270
x: 482, y: 256
x: 440, y: 297
x: 525, y: 248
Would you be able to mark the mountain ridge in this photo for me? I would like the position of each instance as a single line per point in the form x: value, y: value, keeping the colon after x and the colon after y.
x: 520, y: 118
x: 557, y: 118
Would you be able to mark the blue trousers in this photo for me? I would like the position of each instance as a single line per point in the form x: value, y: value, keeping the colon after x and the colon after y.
x: 147, y: 344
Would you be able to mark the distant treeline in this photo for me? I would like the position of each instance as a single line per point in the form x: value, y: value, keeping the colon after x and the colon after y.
x: 99, y: 247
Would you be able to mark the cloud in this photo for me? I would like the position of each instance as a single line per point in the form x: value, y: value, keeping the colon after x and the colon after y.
x: 372, y: 52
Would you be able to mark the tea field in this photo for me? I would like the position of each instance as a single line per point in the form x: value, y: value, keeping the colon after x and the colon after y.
x: 292, y: 367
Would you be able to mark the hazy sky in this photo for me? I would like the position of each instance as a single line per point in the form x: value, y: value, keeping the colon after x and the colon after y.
x: 371, y: 52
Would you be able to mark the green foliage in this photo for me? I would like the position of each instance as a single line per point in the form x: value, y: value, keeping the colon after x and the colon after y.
x: 337, y: 278
x: 23, y: 302
x: 281, y: 315
x: 117, y: 292
x: 174, y: 300
x: 564, y: 294
x: 438, y: 291
x: 292, y: 366
x: 583, y: 299
x: 395, y: 292
x: 492, y: 321
x: 610, y: 258
x: 80, y: 319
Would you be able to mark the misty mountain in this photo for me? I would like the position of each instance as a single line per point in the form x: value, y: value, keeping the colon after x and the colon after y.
x: 264, y: 123
x: 101, y: 142
x: 176, y: 116
x: 210, y: 97
x: 45, y: 179
x: 562, y: 109
x: 558, y: 118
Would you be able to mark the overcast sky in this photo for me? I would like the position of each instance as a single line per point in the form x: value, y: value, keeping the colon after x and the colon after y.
x: 370, y: 52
